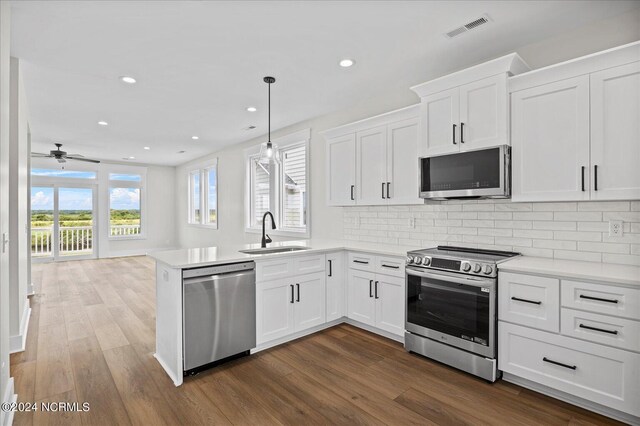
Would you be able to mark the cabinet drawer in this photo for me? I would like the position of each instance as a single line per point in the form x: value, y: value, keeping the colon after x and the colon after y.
x: 362, y: 261
x: 605, y: 329
x: 601, y: 299
x: 393, y: 266
x: 308, y: 264
x: 529, y: 300
x: 594, y: 372
x: 274, y: 269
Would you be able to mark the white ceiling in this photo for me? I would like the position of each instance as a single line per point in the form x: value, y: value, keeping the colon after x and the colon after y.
x: 199, y: 64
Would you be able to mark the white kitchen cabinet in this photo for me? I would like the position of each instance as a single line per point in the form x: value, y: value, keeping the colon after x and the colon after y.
x: 362, y: 306
x: 309, y: 307
x: 615, y: 133
x: 336, y: 295
x: 389, y: 299
x: 341, y: 170
x: 374, y: 161
x: 468, y: 109
x: 274, y: 310
x: 441, y: 115
x: 529, y: 300
x: 550, y: 141
x: 371, y: 166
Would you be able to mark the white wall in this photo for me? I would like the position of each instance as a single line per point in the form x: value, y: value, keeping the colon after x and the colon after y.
x: 19, y: 152
x: 327, y: 221
x: 6, y: 385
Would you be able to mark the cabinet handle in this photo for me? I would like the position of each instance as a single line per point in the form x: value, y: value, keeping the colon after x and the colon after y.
x: 370, y: 288
x: 583, y: 178
x: 291, y: 293
x: 534, y: 302
x: 390, y: 266
x: 352, y: 186
x: 376, y: 290
x: 461, y: 132
x: 330, y: 271
x: 595, y: 177
x: 361, y: 261
x: 454, y: 134
x: 383, y: 190
x: 588, y: 327
x: 599, y: 299
x: 550, y: 361
x: 298, y: 288
x: 388, y: 186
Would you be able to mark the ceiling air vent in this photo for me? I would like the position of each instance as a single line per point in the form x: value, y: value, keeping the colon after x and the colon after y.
x: 468, y: 26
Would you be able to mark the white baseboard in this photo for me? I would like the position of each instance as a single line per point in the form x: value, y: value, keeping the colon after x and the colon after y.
x: 18, y: 342
x: 135, y: 252
x: 375, y: 330
x: 177, y: 380
x: 294, y: 336
x: 6, y: 417
x: 571, y: 399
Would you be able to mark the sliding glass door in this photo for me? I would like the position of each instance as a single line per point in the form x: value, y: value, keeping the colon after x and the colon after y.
x: 63, y: 222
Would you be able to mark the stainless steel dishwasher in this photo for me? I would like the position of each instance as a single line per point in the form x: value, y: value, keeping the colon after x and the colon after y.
x: 218, y: 314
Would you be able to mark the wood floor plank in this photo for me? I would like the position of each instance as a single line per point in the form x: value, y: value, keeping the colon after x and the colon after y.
x: 24, y: 374
x: 57, y: 414
x: 53, y: 369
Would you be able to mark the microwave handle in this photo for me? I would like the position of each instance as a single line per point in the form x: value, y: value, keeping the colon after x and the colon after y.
x: 471, y: 280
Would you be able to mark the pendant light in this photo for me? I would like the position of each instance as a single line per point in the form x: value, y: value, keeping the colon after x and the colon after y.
x: 268, y: 150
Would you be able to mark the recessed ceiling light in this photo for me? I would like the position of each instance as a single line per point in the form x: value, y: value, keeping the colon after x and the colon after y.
x: 127, y: 79
x: 195, y: 138
x: 147, y: 148
x: 346, y: 63
x: 132, y: 158
x: 252, y: 109
x: 103, y: 123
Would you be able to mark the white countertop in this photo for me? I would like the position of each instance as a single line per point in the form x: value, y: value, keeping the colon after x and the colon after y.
x: 205, y: 256
x: 628, y: 275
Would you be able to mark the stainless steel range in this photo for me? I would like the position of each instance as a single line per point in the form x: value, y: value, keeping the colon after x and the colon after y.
x: 451, y: 313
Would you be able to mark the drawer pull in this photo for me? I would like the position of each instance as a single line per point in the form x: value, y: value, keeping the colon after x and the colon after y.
x: 550, y: 361
x: 361, y: 261
x: 599, y: 299
x: 534, y: 302
x: 390, y: 266
x: 588, y: 327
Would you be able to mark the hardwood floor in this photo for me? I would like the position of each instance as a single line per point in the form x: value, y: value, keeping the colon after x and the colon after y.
x: 91, y: 339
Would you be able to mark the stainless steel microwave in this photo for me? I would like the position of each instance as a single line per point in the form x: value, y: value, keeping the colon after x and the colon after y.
x: 481, y: 173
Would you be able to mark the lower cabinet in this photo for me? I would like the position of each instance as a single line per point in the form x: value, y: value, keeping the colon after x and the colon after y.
x: 289, y: 305
x: 336, y: 296
x: 377, y: 300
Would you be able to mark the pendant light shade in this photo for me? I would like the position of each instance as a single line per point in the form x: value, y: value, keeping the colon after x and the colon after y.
x: 268, y: 150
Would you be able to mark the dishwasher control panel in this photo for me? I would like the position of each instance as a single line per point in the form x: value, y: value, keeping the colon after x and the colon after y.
x: 218, y: 269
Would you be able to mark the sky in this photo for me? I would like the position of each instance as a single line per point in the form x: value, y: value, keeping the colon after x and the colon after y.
x: 81, y: 198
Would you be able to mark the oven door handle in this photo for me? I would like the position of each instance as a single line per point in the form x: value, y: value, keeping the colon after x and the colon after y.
x: 471, y: 280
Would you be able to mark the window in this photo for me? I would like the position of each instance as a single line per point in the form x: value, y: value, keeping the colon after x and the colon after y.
x: 125, y: 205
x: 76, y: 174
x: 203, y: 196
x: 281, y: 187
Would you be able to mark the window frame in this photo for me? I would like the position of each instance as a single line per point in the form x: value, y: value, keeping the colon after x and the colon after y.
x: 294, y: 140
x: 202, y: 170
x: 141, y: 185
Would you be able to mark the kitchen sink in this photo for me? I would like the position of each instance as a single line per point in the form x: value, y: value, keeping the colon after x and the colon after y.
x: 269, y: 250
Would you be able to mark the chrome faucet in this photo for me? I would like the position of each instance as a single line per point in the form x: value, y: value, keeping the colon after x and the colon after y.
x: 266, y: 238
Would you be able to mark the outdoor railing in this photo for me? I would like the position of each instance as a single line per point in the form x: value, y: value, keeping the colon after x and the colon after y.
x: 73, y: 239
x: 117, y: 230
x: 41, y: 241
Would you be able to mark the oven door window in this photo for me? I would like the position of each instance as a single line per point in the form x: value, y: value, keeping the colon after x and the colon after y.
x: 455, y: 309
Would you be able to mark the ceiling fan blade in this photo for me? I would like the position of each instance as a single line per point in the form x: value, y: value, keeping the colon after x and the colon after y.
x: 39, y: 154
x: 87, y: 160
x: 61, y: 160
x: 75, y: 155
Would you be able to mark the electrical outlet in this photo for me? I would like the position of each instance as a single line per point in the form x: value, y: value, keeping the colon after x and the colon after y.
x: 615, y: 228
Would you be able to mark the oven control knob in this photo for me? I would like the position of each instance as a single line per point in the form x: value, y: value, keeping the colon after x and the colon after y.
x: 409, y: 260
x: 487, y: 269
x: 417, y: 260
x: 477, y: 268
x: 426, y: 261
x: 466, y: 267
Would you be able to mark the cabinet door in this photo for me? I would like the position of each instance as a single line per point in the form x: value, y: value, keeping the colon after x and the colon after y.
x: 439, y: 113
x: 550, y: 140
x: 371, y: 166
x: 341, y: 170
x: 336, y: 295
x: 361, y: 301
x: 484, y: 113
x: 309, y: 309
x: 389, y: 296
x: 615, y: 133
x: 274, y: 310
x: 402, y: 162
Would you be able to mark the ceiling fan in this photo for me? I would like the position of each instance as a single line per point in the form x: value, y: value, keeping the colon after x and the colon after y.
x: 62, y: 156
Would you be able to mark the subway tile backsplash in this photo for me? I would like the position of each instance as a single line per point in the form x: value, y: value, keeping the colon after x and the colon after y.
x: 571, y: 230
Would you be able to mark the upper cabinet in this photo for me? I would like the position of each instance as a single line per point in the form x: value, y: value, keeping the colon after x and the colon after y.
x: 576, y: 129
x: 374, y: 161
x: 468, y: 109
